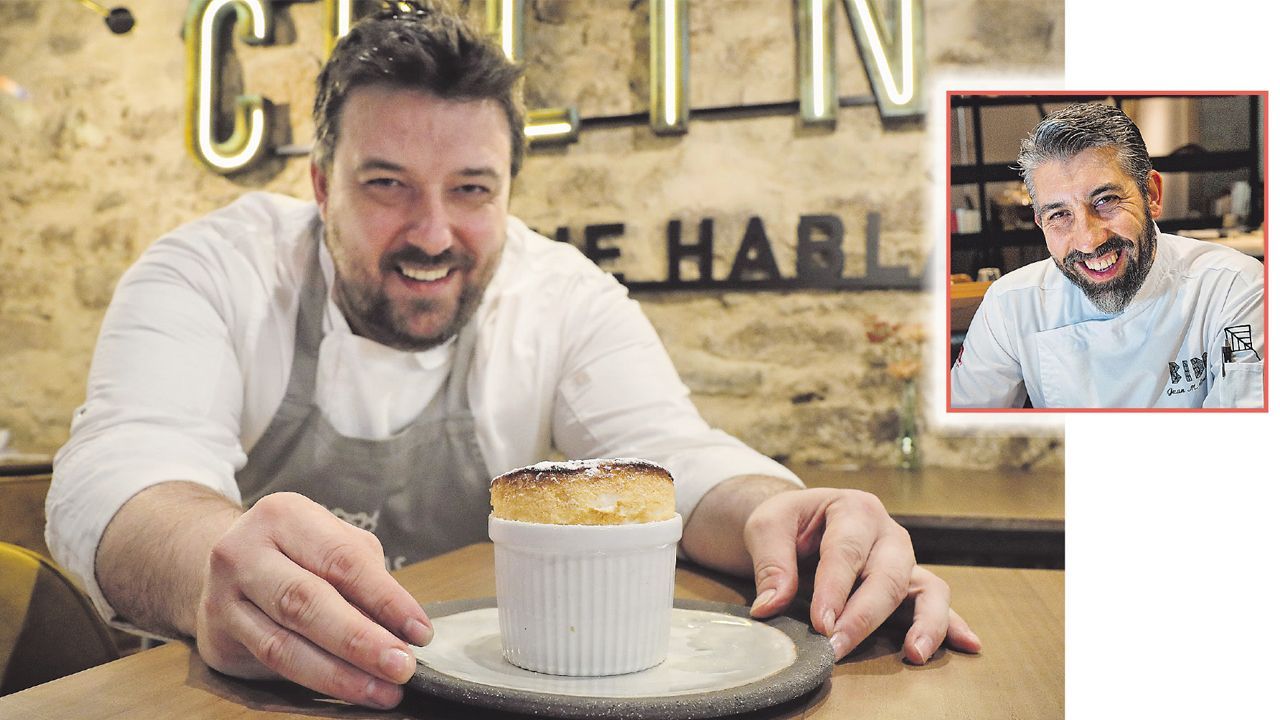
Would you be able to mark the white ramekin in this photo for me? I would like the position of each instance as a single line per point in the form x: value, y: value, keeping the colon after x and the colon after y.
x: 584, y: 600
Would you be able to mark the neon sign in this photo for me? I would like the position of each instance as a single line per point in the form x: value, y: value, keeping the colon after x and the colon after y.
x: 890, y: 46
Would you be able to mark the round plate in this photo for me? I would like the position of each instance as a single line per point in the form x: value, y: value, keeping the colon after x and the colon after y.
x: 720, y: 662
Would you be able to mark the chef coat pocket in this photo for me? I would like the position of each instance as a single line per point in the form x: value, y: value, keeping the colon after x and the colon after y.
x: 1239, y: 387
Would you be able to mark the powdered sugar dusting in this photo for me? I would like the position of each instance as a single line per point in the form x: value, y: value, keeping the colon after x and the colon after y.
x: 588, y: 468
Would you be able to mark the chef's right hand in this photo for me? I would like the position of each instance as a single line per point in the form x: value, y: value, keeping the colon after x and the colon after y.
x: 292, y: 591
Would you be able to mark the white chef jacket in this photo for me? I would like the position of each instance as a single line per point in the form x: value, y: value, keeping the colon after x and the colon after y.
x: 195, y: 351
x: 1036, y: 334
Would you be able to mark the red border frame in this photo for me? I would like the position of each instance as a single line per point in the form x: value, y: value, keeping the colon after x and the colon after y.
x: 1266, y: 217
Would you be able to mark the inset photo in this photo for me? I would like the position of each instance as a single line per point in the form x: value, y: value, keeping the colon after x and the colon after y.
x: 1106, y: 251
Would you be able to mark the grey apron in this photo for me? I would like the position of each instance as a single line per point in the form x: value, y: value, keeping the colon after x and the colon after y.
x: 422, y: 491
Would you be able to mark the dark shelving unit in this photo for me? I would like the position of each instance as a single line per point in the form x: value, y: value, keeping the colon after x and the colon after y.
x: 988, y: 245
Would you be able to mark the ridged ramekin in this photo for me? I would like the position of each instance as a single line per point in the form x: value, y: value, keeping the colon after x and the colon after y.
x: 584, y: 600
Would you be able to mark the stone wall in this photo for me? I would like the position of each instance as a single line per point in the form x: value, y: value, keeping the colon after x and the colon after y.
x: 92, y: 169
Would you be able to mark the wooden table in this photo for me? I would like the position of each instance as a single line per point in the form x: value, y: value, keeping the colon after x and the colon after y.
x: 970, y: 517
x: 1019, y: 674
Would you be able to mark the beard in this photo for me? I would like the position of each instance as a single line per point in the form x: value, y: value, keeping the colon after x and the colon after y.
x: 1114, y: 295
x: 373, y: 314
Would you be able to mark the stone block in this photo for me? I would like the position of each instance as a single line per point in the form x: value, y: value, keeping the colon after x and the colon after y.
x: 94, y: 286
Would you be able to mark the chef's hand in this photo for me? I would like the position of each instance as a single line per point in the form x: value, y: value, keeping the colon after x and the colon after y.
x: 292, y: 591
x: 866, y: 572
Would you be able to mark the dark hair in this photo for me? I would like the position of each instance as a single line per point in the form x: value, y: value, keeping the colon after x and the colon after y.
x: 1066, y: 133
x: 430, y: 50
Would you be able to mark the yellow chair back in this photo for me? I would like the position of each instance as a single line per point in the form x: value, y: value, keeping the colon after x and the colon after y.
x: 48, y: 628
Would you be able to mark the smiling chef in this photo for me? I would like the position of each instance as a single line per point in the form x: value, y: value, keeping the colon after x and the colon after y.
x: 1121, y: 315
x: 289, y: 399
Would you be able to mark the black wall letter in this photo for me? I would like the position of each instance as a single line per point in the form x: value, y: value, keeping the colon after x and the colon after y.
x: 754, y: 256
x: 819, y: 262
x: 677, y: 250
x: 595, y: 251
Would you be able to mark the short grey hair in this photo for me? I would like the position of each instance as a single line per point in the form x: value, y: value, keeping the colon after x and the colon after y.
x: 1070, y: 131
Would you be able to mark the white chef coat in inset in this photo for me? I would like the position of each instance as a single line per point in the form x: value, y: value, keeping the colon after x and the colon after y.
x: 1037, y: 336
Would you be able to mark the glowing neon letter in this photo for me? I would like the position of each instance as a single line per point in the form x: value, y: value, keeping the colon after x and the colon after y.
x: 669, y: 66
x: 505, y: 20
x: 889, y: 55
x: 204, y: 50
x: 338, y: 16
x: 816, y: 58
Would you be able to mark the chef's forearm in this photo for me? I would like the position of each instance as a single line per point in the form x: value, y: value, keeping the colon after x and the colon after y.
x: 713, y: 535
x: 151, y: 561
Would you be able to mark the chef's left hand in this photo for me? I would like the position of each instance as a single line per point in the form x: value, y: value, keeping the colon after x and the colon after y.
x: 866, y: 573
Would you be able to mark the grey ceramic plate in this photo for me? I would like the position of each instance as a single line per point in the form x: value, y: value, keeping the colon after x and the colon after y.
x: 720, y: 663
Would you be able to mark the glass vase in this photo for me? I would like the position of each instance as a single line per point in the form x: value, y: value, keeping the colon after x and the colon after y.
x: 909, y: 457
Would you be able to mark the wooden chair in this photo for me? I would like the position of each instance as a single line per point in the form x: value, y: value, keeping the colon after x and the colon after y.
x: 48, y: 628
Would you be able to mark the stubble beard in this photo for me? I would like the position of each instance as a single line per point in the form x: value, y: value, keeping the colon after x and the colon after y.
x: 372, y: 314
x: 1113, y: 296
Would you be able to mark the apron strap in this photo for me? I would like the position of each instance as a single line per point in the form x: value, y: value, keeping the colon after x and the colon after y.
x: 310, y: 328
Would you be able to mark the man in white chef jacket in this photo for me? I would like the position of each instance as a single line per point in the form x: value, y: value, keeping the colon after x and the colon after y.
x: 1121, y: 315
x: 288, y: 399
